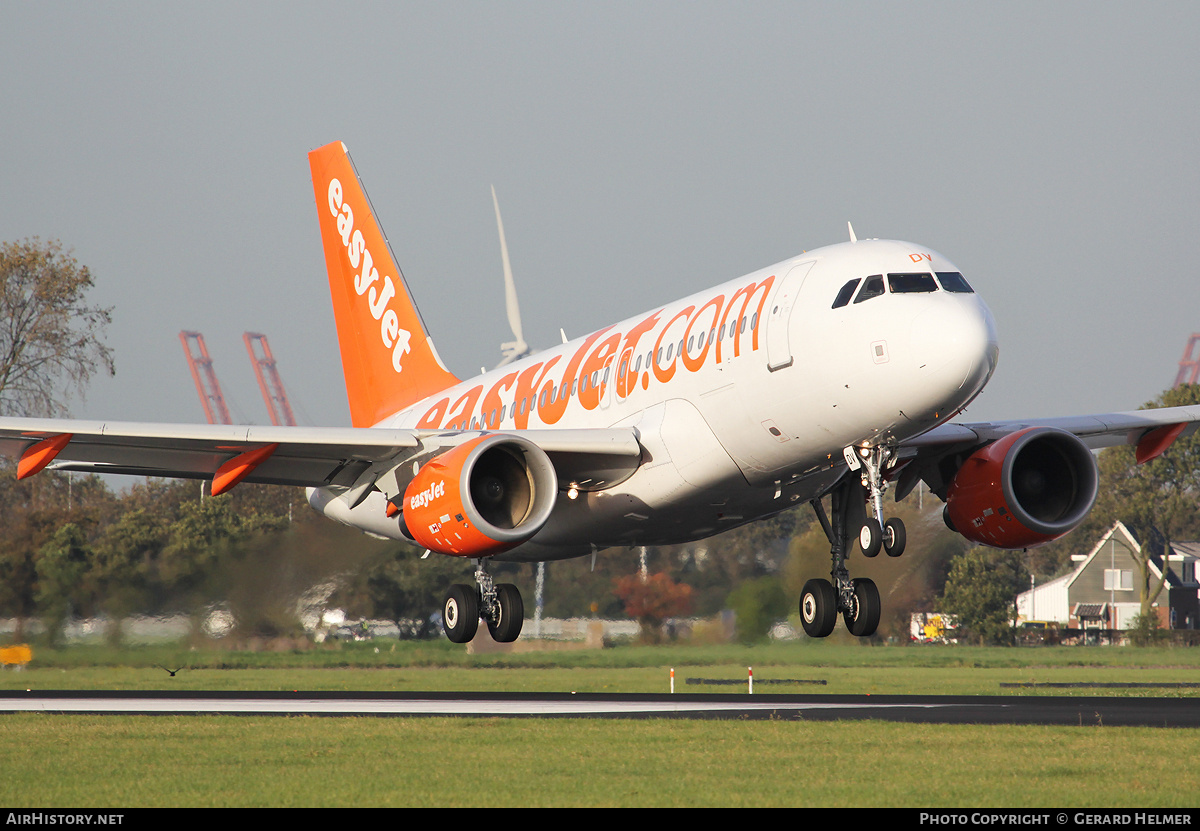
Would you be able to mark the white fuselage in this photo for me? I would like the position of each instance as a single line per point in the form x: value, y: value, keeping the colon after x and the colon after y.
x: 743, y: 395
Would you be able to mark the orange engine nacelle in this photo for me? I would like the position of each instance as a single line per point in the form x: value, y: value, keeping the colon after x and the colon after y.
x: 483, y: 497
x: 1026, y: 489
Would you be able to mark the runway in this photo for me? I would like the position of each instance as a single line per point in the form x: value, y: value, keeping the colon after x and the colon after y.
x: 1046, y: 710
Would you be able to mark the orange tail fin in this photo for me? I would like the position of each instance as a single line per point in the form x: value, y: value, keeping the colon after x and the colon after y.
x: 387, y: 357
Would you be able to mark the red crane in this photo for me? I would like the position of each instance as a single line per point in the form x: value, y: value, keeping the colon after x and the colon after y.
x: 268, y: 380
x: 206, y: 379
x: 1189, y: 367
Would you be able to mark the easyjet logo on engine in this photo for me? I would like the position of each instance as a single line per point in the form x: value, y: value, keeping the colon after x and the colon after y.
x: 379, y: 293
x: 420, y: 500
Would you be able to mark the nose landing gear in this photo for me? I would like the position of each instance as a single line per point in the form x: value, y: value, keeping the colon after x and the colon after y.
x: 876, y: 533
x: 499, y: 604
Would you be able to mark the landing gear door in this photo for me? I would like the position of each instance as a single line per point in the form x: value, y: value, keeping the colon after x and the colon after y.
x: 779, y: 350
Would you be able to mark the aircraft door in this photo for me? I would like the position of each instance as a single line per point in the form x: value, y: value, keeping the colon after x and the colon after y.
x: 779, y: 349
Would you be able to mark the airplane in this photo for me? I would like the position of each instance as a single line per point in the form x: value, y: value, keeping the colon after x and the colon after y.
x: 835, y: 373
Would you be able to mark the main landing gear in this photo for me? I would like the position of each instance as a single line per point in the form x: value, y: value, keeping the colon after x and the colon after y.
x: 857, y: 600
x: 499, y: 604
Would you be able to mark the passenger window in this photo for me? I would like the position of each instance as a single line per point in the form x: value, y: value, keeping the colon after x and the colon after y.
x: 911, y: 283
x: 953, y: 281
x: 843, y: 296
x: 873, y: 287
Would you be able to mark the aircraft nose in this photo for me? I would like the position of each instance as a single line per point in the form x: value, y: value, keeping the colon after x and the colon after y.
x: 957, y: 346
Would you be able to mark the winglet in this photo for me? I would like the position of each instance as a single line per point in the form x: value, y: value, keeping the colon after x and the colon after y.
x: 388, y: 358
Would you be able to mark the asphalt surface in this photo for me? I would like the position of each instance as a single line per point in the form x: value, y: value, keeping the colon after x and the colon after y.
x: 1060, y: 710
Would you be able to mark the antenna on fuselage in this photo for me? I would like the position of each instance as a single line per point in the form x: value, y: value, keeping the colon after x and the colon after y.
x: 851, y: 227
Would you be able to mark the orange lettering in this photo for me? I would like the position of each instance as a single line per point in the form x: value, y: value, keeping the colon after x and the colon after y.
x: 694, y: 363
x: 590, y: 398
x: 527, y: 385
x: 492, y: 402
x: 665, y: 374
x: 747, y: 292
x: 433, y: 419
x: 627, y: 378
x: 554, y: 410
x: 461, y: 420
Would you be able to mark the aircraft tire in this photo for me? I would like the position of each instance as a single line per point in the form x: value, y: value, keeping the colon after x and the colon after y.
x: 511, y: 615
x: 870, y: 538
x: 818, y: 608
x: 894, y: 537
x: 863, y: 619
x: 460, y: 613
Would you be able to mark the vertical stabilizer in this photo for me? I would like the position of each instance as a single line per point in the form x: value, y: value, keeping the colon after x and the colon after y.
x: 387, y: 356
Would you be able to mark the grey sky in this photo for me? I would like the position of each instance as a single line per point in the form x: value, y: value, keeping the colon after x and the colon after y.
x: 640, y: 151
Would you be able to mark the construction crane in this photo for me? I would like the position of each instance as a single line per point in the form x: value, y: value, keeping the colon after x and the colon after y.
x: 206, y: 379
x: 1189, y: 367
x: 268, y: 380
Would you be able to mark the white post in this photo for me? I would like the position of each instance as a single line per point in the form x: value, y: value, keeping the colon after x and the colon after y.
x: 537, y: 607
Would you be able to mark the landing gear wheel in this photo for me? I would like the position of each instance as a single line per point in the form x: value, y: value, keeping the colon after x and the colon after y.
x: 509, y: 616
x: 862, y: 619
x: 460, y: 613
x: 818, y: 608
x: 894, y: 537
x: 870, y: 538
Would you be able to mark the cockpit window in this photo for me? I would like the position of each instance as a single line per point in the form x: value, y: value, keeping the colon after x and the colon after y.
x: 911, y: 283
x: 953, y: 281
x: 873, y: 287
x: 843, y: 296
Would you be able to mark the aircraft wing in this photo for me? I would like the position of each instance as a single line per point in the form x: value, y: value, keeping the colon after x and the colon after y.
x: 300, y: 456
x: 1150, y: 431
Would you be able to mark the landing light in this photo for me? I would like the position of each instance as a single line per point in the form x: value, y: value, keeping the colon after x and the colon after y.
x: 572, y: 492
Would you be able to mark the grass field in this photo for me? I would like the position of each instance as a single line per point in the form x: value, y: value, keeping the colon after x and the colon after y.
x: 120, y: 761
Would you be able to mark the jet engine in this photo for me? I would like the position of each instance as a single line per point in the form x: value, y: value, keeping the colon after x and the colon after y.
x: 1029, y: 488
x: 482, y: 497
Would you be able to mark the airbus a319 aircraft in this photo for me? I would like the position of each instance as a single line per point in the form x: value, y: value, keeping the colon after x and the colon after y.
x: 837, y: 372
